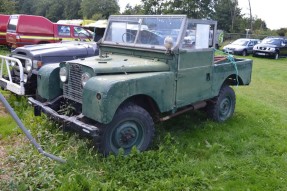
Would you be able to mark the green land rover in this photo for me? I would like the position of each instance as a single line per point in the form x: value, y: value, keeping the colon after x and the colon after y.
x: 150, y: 69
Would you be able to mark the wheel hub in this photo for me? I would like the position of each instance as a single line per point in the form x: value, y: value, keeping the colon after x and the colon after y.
x: 127, y: 135
x: 225, y: 107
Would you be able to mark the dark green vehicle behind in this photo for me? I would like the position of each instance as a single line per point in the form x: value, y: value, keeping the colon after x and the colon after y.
x: 150, y: 69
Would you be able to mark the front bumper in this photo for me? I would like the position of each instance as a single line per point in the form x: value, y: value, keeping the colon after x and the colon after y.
x: 263, y: 53
x: 8, y: 83
x: 74, y: 122
x: 233, y: 51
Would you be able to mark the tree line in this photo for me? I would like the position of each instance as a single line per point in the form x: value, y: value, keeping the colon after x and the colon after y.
x: 226, y: 12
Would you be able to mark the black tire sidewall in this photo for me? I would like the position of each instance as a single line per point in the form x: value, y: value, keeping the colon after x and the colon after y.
x: 128, y: 113
x: 214, y: 110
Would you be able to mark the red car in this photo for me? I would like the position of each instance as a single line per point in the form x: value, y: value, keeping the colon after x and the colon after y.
x: 3, y: 28
x: 30, y: 29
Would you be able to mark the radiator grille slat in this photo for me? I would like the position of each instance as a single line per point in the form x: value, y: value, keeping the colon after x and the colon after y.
x: 73, y: 88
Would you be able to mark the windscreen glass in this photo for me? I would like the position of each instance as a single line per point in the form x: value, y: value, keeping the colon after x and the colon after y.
x: 144, y: 31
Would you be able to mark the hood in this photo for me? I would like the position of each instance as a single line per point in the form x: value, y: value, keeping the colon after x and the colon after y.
x: 64, y: 49
x: 266, y: 45
x: 123, y: 64
x: 233, y: 46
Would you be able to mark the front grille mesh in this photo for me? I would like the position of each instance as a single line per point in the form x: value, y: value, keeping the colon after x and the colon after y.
x: 73, y: 88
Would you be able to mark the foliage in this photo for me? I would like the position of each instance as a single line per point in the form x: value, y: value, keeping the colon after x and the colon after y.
x: 136, y: 10
x: 190, y: 152
x: 7, y: 7
x: 103, y: 7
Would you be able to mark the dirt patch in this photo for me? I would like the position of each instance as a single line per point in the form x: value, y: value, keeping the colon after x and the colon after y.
x: 6, y: 164
x: 3, y: 111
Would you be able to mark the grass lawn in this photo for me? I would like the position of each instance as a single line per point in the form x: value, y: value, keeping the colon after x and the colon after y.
x: 190, y: 152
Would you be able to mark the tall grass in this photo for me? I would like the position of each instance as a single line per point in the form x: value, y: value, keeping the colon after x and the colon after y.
x: 190, y: 152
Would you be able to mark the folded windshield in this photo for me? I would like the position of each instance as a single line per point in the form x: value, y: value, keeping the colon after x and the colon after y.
x: 143, y: 30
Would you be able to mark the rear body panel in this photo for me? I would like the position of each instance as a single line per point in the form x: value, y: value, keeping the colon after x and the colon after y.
x: 3, y: 28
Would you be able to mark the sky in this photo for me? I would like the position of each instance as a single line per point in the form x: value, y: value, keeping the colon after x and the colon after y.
x: 272, y: 12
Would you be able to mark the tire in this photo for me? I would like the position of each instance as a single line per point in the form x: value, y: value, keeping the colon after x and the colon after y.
x: 222, y: 107
x: 276, y: 56
x: 244, y: 53
x: 131, y: 126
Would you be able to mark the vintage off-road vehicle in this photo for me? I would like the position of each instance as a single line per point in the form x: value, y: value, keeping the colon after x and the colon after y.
x: 146, y: 72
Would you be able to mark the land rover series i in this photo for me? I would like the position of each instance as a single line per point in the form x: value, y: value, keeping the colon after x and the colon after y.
x: 147, y: 71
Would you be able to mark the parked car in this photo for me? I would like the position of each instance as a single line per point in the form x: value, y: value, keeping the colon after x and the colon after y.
x: 117, y: 97
x: 24, y: 63
x: 31, y: 29
x: 3, y: 28
x: 273, y: 47
x: 242, y: 46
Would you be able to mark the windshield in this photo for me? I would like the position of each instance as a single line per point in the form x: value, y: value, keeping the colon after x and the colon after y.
x: 274, y: 41
x: 241, y: 42
x: 143, y: 30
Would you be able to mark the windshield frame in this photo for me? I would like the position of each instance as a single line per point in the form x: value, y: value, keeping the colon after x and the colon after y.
x: 132, y: 19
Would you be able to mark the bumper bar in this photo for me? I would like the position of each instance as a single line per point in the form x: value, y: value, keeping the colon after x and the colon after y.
x: 8, y: 83
x: 73, y: 122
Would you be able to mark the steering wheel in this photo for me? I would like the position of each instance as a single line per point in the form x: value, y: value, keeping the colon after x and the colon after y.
x: 132, y: 37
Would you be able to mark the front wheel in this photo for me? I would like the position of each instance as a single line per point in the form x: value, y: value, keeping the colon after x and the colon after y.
x: 244, y: 53
x: 222, y: 107
x: 131, y: 126
x: 276, y: 56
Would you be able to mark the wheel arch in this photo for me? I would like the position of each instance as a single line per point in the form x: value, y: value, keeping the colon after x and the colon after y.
x: 144, y: 101
x: 233, y: 80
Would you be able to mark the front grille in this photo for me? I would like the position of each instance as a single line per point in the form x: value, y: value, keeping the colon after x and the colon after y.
x: 73, y: 88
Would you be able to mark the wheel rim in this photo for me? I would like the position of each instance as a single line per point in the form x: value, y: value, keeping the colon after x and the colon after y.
x: 225, y: 108
x: 244, y: 53
x: 126, y: 135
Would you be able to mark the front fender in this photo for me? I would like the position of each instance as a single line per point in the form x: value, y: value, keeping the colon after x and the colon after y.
x: 102, y: 95
x: 48, y: 81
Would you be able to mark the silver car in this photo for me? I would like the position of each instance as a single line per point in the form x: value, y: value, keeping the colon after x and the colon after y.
x: 242, y: 46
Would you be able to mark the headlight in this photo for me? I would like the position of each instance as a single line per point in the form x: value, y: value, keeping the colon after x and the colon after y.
x: 85, y: 77
x: 28, y: 65
x: 63, y: 74
x: 272, y: 49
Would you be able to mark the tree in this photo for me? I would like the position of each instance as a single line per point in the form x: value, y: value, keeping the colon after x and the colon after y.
x: 55, y: 10
x: 25, y: 6
x: 71, y: 9
x: 136, y: 10
x: 103, y: 7
x: 7, y: 7
x: 153, y: 7
x: 228, y: 15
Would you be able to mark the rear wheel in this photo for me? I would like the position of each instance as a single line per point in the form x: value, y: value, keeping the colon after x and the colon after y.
x: 222, y: 107
x: 131, y: 126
